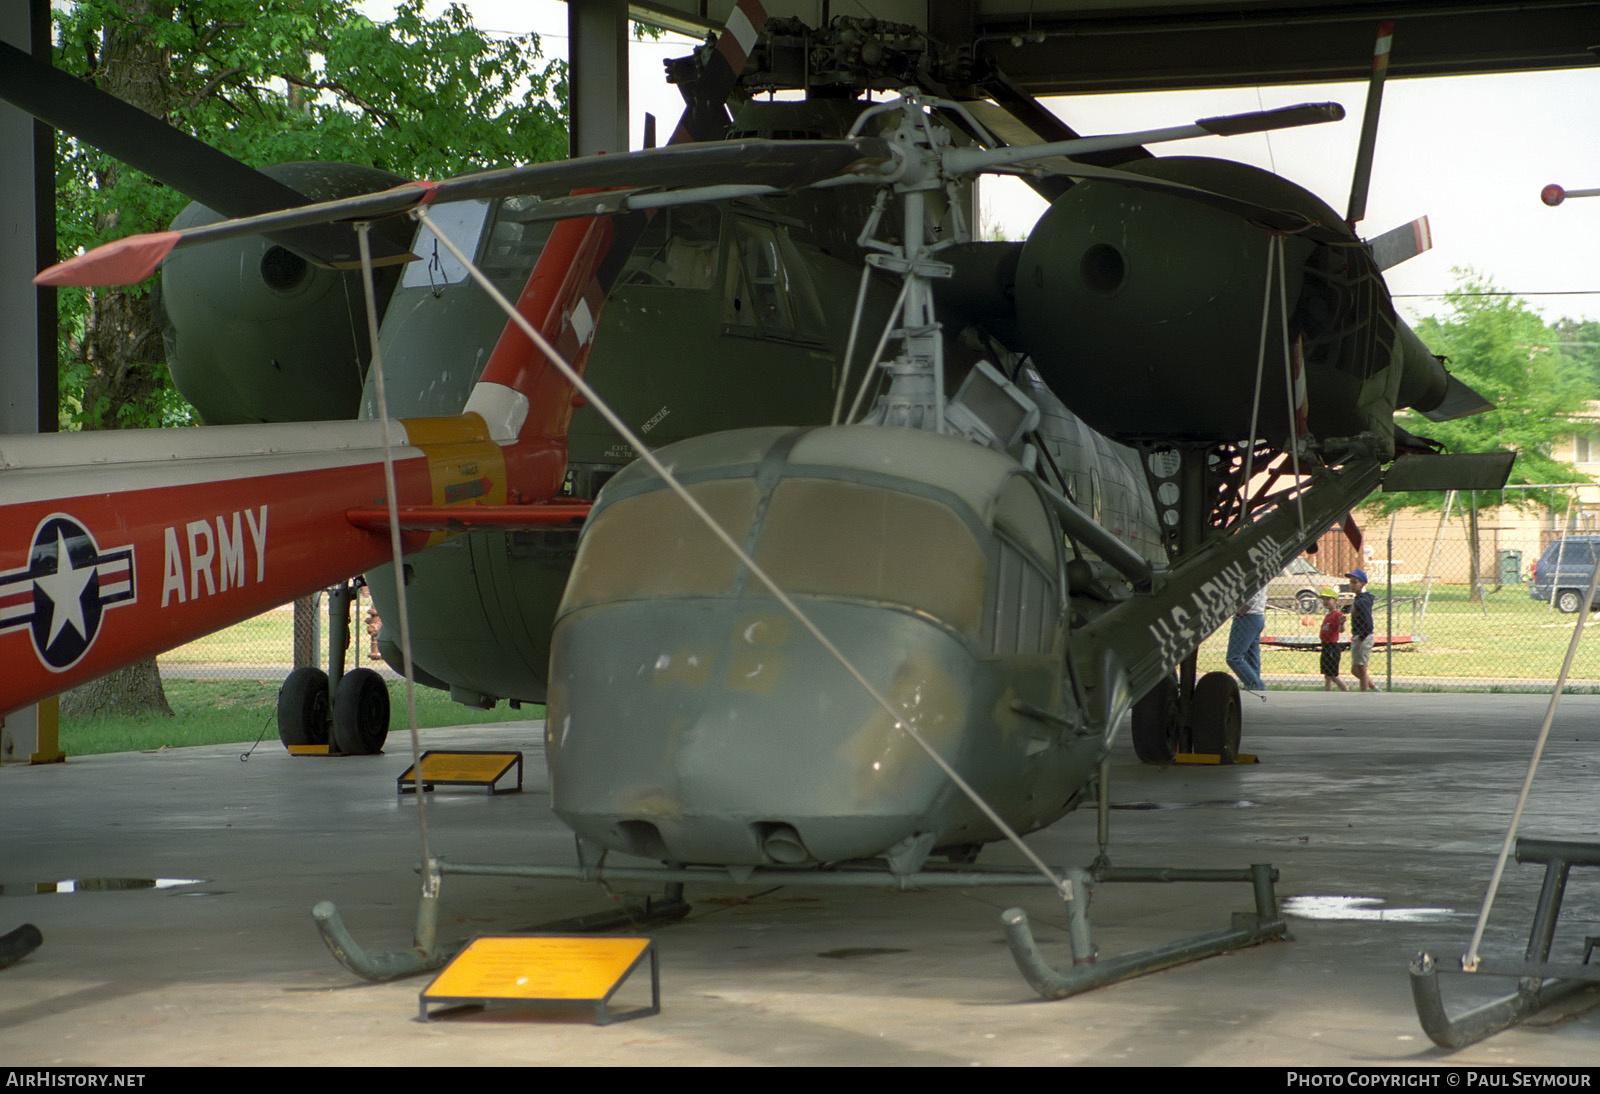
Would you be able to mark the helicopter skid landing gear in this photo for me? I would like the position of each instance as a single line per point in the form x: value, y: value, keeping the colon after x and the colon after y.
x: 1088, y: 971
x: 17, y: 944
x: 1540, y: 981
x: 424, y: 955
x: 631, y: 913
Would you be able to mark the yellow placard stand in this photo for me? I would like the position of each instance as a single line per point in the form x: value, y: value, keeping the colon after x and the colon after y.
x: 462, y: 767
x: 559, y: 969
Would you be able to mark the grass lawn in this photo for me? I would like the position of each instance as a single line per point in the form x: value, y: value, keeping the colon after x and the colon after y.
x: 266, y: 639
x: 209, y: 712
x: 1508, y: 635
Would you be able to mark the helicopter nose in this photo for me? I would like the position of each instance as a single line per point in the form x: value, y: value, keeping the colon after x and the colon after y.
x: 728, y: 736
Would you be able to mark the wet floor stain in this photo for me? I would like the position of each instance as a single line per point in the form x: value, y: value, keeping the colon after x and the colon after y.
x: 1218, y: 804
x: 859, y: 951
x: 100, y: 885
x: 1364, y: 909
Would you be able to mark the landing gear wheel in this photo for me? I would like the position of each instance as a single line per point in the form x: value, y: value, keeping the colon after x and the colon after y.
x: 1214, y: 718
x: 1568, y: 600
x: 361, y: 713
x: 1155, y: 724
x: 303, y: 707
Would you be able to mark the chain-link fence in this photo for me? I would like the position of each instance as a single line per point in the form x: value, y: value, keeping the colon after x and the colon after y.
x: 1448, y: 614
x: 263, y: 647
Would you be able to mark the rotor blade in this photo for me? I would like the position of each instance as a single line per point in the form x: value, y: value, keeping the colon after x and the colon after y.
x: 714, y: 75
x: 1278, y: 220
x: 1362, y: 182
x: 1018, y: 119
x: 751, y: 166
x: 1035, y: 119
x: 1459, y: 401
x: 1398, y: 244
x: 962, y: 161
x: 1449, y: 471
x: 169, y: 155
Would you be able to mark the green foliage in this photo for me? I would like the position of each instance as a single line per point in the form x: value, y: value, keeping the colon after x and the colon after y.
x: 1579, y: 342
x: 1504, y: 351
x: 273, y: 81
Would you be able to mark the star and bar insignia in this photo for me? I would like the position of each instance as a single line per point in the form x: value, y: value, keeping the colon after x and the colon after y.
x: 62, y: 594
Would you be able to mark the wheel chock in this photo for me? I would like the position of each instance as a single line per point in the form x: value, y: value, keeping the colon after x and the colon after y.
x: 1214, y: 758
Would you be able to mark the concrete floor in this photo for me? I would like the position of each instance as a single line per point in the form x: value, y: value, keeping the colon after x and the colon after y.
x: 1402, y: 799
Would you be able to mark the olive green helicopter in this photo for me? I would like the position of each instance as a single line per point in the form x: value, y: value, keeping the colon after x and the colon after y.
x: 891, y: 533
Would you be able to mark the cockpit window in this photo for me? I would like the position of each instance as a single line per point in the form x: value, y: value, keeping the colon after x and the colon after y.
x: 818, y: 537
x: 652, y: 545
x: 512, y: 245
x: 768, y: 291
x: 828, y: 538
x: 678, y: 250
x: 462, y: 223
x: 1024, y: 604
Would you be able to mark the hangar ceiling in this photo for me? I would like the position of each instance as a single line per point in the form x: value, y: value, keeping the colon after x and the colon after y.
x: 1057, y: 47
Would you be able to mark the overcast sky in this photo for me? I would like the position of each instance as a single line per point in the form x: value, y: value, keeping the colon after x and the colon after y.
x: 1472, y: 153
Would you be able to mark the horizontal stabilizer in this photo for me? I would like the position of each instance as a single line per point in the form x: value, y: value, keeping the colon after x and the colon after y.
x: 1459, y: 401
x: 1398, y: 244
x: 1454, y: 471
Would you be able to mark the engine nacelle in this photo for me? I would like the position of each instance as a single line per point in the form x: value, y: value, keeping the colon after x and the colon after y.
x: 255, y: 332
x: 1143, y: 311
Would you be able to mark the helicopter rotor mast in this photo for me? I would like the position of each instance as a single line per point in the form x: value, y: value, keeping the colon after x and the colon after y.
x: 928, y: 162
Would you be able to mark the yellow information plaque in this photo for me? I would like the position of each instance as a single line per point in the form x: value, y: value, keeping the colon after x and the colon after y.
x: 576, y: 969
x: 462, y: 768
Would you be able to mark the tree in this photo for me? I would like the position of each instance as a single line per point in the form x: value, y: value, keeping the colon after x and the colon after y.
x: 1503, y: 350
x: 1579, y: 341
x: 267, y: 82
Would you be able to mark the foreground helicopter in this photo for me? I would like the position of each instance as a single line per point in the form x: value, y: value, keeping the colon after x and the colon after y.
x: 1003, y: 603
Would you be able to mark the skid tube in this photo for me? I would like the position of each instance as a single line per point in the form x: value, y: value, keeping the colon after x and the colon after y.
x: 1248, y: 929
x: 17, y: 944
x: 1540, y: 982
x: 1088, y: 971
x: 1532, y: 996
x: 424, y: 955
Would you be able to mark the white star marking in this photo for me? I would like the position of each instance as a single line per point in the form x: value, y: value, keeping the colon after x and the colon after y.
x: 65, y: 591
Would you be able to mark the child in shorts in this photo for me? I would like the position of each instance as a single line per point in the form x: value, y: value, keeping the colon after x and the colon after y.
x: 1332, y: 625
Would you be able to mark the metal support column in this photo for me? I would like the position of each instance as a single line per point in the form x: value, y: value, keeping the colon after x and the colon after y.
x: 27, y: 313
x: 598, y: 55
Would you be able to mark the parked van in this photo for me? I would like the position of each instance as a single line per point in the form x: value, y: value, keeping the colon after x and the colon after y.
x: 1577, y: 556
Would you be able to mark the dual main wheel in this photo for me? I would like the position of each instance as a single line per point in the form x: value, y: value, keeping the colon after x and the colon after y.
x: 358, y: 722
x: 1215, y: 721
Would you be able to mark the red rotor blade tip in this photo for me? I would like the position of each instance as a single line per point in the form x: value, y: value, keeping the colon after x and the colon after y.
x: 123, y: 262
